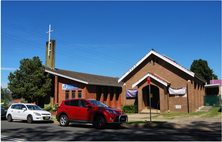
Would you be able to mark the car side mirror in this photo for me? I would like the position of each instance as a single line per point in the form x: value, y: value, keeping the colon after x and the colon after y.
x: 24, y: 109
x: 89, y: 106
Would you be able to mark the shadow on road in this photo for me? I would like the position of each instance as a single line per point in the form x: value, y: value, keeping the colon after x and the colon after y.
x: 196, y: 131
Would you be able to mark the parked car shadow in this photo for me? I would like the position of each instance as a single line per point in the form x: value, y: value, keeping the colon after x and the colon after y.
x: 34, y: 122
x: 89, y: 125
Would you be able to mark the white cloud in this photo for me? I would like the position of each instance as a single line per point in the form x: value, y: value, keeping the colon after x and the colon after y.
x: 8, y: 69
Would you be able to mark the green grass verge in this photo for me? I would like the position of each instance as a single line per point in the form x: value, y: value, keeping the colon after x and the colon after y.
x: 203, y: 114
x: 130, y: 113
x: 54, y: 119
x: 212, y: 113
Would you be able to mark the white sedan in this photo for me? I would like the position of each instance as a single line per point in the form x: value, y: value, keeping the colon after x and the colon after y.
x: 29, y: 112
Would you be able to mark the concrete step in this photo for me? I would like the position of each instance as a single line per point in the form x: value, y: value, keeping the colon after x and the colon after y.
x: 147, y: 111
x: 204, y: 108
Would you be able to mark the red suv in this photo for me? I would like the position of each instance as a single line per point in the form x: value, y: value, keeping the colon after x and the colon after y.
x: 89, y: 111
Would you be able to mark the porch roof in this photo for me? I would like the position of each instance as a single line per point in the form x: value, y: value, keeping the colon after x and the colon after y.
x: 153, y: 76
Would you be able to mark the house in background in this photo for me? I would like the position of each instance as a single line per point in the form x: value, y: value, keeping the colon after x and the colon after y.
x: 214, y: 88
x: 213, y: 93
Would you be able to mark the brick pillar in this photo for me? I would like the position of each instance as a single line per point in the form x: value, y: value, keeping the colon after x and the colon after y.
x: 121, y: 98
x: 108, y: 97
x: 190, y: 98
x: 56, y: 90
x: 140, y: 100
x: 114, y: 98
x: 163, y: 100
x: 102, y: 95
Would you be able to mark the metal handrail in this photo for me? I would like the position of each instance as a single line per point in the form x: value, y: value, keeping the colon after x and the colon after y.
x: 157, y: 106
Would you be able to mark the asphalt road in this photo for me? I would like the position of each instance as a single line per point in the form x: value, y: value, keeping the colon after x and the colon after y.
x: 42, y: 131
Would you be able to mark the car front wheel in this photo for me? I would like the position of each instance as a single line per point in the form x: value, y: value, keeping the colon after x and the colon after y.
x: 99, y: 122
x: 64, y: 120
x: 9, y: 118
x: 29, y: 119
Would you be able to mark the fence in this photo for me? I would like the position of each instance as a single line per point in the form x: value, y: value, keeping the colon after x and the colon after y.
x: 212, y: 100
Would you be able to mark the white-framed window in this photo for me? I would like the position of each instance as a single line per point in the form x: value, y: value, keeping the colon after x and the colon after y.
x: 67, y: 94
x: 79, y: 93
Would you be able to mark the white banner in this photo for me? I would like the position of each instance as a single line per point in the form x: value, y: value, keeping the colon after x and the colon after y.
x: 179, y: 91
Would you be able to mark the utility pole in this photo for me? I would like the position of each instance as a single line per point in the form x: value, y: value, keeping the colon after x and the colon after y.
x: 49, y: 48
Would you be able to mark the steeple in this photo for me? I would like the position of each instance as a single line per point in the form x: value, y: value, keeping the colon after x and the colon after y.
x: 50, y: 51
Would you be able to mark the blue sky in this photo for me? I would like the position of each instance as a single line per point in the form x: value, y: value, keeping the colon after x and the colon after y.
x: 108, y: 38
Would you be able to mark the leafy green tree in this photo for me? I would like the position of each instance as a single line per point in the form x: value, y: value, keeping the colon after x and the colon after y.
x: 5, y: 95
x: 30, y: 81
x: 2, y: 95
x: 201, y: 68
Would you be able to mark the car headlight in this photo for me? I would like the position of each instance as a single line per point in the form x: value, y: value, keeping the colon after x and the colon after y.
x: 110, y: 111
x: 38, y: 114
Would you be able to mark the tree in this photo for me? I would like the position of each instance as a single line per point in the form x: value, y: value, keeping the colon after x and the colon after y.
x: 5, y: 95
x: 201, y: 68
x: 30, y: 81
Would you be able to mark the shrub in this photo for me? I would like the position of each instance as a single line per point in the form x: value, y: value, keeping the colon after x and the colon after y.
x: 4, y: 106
x: 130, y: 108
x: 54, y: 108
x: 49, y: 108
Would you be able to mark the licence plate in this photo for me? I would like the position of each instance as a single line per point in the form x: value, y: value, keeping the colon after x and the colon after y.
x: 46, y: 117
x: 123, y: 119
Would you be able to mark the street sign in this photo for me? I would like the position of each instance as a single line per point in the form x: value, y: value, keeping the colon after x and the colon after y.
x: 148, y: 80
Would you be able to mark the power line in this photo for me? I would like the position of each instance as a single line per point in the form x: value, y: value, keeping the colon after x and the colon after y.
x: 60, y: 51
x: 67, y: 44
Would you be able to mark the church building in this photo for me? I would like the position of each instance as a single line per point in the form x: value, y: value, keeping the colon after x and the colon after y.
x: 173, y: 88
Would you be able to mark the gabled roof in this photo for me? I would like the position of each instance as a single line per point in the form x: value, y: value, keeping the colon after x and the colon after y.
x: 85, y: 78
x: 165, y: 58
x: 153, y: 76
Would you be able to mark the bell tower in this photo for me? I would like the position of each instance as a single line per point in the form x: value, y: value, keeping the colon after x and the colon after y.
x: 50, y: 54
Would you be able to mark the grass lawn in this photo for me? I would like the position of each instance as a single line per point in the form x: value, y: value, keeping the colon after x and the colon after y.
x: 214, y: 112
x: 54, y: 119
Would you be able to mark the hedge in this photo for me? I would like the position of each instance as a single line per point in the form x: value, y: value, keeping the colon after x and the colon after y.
x: 130, y: 108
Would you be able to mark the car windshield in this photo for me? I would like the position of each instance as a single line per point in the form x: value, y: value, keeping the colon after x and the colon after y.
x: 98, y: 103
x: 33, y: 107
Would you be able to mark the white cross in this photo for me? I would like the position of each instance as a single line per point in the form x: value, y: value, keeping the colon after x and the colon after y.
x: 49, y: 48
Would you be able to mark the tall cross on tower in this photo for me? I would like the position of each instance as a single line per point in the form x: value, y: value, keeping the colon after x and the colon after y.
x: 49, y: 48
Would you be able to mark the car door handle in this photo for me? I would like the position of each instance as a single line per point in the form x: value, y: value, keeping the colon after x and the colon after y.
x: 18, y: 111
x: 79, y: 110
x: 66, y: 108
